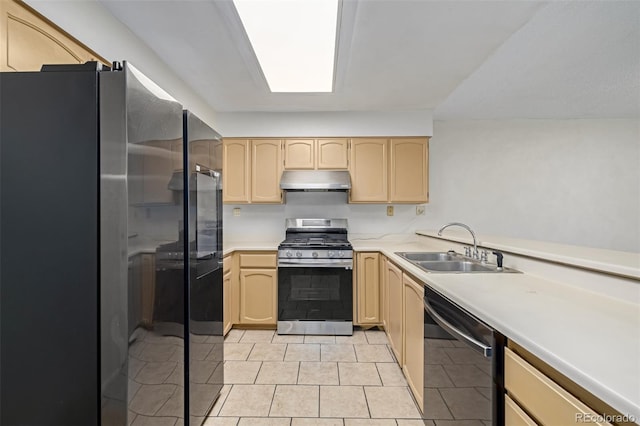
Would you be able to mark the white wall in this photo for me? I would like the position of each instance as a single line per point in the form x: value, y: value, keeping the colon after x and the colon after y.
x: 331, y: 123
x: 567, y: 181
x: 92, y: 24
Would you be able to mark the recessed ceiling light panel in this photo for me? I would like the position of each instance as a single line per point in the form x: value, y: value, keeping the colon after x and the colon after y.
x: 294, y: 41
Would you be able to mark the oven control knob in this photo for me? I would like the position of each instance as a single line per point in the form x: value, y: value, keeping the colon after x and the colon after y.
x: 289, y: 254
x: 331, y: 253
x: 314, y: 254
x: 341, y: 253
x: 299, y: 254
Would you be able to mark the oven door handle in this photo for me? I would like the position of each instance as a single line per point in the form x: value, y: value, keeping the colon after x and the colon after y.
x: 451, y: 329
x: 345, y: 265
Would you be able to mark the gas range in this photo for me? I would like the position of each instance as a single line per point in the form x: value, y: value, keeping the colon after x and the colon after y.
x: 316, y: 242
x: 315, y: 278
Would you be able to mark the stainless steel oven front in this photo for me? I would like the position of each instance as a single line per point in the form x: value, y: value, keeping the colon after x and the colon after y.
x: 315, y: 296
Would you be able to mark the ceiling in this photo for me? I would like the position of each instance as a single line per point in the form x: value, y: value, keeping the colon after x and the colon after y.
x: 462, y: 59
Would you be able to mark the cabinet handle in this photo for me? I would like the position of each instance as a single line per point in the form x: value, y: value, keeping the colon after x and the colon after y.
x: 449, y: 328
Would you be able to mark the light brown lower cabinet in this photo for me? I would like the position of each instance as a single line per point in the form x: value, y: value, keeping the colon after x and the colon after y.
x: 258, y: 288
x: 226, y: 294
x: 542, y: 398
x: 384, y: 291
x: 395, y: 294
x: 368, y: 288
x: 413, y: 336
x: 514, y: 415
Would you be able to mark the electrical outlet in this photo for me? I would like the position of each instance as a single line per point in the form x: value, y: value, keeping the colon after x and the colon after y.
x: 419, y: 210
x: 389, y: 210
x: 236, y: 211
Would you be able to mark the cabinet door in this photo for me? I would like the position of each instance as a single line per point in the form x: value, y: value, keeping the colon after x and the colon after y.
x: 236, y: 171
x: 409, y: 170
x: 368, y: 288
x: 369, y: 170
x: 299, y: 154
x: 394, y: 282
x: 332, y: 154
x: 226, y: 297
x: 413, y: 365
x: 258, y: 296
x: 27, y: 41
x: 266, y: 161
x: 384, y: 292
x: 514, y: 415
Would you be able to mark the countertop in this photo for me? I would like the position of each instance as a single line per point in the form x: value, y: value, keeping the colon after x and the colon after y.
x: 592, y: 339
x: 230, y: 246
x: 613, y: 262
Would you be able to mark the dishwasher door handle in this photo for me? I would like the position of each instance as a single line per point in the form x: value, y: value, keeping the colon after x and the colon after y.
x: 449, y: 328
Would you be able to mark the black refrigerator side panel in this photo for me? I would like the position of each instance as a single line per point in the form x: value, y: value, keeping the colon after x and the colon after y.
x: 49, y: 359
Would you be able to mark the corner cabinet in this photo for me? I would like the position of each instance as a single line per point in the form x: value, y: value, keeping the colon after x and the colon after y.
x: 389, y: 170
x: 258, y: 288
x: 251, y: 171
x: 368, y: 289
x: 316, y: 154
x: 28, y: 41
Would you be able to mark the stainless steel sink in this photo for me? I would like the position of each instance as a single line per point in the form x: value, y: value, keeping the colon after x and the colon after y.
x: 455, y: 266
x: 450, y: 262
x: 422, y: 256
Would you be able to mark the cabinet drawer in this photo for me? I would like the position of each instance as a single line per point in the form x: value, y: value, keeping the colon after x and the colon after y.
x: 514, y: 415
x: 547, y: 402
x: 258, y: 260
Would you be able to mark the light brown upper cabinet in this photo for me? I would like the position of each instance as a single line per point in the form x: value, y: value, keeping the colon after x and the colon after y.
x: 320, y: 154
x: 409, y: 172
x: 369, y: 166
x: 389, y: 170
x: 252, y: 170
x: 266, y: 162
x: 299, y: 154
x: 28, y: 41
x: 236, y: 170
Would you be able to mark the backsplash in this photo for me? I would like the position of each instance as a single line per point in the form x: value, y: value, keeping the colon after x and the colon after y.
x: 258, y: 222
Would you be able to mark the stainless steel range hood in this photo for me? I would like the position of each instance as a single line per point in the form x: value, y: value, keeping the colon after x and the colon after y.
x: 315, y: 180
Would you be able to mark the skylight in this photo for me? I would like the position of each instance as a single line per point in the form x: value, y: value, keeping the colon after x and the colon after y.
x: 294, y: 41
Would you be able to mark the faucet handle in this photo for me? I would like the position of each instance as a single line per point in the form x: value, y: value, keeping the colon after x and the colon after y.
x: 499, y: 257
x: 484, y: 256
x: 467, y: 251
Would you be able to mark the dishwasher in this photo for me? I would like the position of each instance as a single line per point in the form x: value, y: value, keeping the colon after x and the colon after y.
x: 463, y: 365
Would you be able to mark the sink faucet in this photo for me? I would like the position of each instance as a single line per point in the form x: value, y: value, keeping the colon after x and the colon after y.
x: 476, y: 255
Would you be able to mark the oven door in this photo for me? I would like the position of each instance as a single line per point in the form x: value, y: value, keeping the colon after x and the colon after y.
x: 315, y: 293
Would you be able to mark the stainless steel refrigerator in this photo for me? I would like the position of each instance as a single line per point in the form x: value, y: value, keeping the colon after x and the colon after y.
x: 88, y: 332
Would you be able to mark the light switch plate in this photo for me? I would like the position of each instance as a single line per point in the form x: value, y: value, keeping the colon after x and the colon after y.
x: 419, y: 210
x: 236, y: 211
x: 389, y: 210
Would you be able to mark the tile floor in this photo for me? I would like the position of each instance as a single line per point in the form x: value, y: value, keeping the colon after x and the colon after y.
x: 312, y: 380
